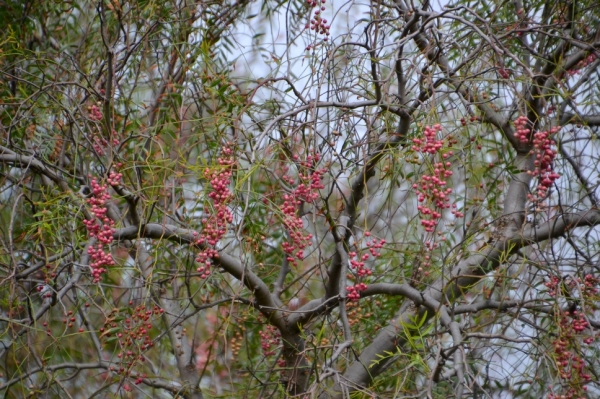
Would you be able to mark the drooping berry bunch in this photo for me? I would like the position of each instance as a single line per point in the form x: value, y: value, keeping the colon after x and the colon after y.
x: 101, y: 226
x: 236, y: 341
x: 317, y: 22
x: 522, y: 132
x: 569, y: 361
x: 353, y: 292
x: 580, y: 65
x: 269, y: 340
x: 131, y: 329
x: 357, y: 263
x: 588, y: 287
x: 553, y: 284
x: 375, y: 245
x: 214, y: 226
x: 306, y: 191
x: 504, y: 73
x: 431, y: 189
x: 95, y: 113
x: 99, y: 143
x: 573, y: 329
x: 430, y: 145
x: 544, y: 156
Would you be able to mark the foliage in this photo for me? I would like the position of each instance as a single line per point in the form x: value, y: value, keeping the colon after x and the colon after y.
x: 299, y: 199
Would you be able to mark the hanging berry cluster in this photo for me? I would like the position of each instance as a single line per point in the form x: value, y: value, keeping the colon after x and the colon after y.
x: 357, y: 263
x: 101, y: 226
x: 306, y: 191
x: 504, y: 73
x: 544, y: 157
x: 580, y: 65
x: 553, y: 284
x: 214, y: 226
x: 588, y: 286
x: 569, y: 362
x: 317, y: 22
x: 573, y: 328
x: 130, y: 328
x: 269, y: 340
x: 431, y: 190
x: 99, y: 143
x: 544, y: 163
x: 522, y: 132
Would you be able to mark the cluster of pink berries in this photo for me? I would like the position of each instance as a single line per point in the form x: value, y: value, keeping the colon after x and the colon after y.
x: 430, y: 145
x: 318, y: 23
x: 581, y: 64
x: 504, y: 73
x: 95, y: 113
x: 103, y: 232
x: 589, y: 286
x: 571, y: 366
x: 357, y: 263
x: 375, y: 245
x: 545, y: 155
x: 353, y: 292
x: 572, y: 325
x: 132, y: 328
x: 432, y: 188
x: 579, y: 323
x: 308, y: 192
x: 544, y: 162
x: 215, y: 226
x: 553, y: 284
x: 269, y: 340
x: 98, y: 142
x: 522, y: 133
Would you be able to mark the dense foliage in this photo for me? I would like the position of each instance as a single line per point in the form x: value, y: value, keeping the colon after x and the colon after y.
x: 299, y: 198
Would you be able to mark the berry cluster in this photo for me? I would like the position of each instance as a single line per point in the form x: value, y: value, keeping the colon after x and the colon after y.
x: 236, y: 342
x: 269, y: 340
x: 588, y: 287
x: 357, y: 263
x: 98, y: 142
x: 131, y: 327
x: 522, y: 133
x: 504, y: 73
x: 306, y: 191
x: 572, y: 327
x: 571, y: 366
x: 353, y: 292
x: 215, y: 226
x: 544, y: 154
x: 432, y: 188
x: 553, y: 284
x: 581, y: 64
x: 544, y: 162
x: 375, y: 245
x: 95, y: 113
x: 317, y: 22
x: 104, y: 231
x: 430, y: 145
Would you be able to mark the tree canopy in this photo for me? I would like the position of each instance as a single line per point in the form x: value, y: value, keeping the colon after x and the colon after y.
x: 311, y: 199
